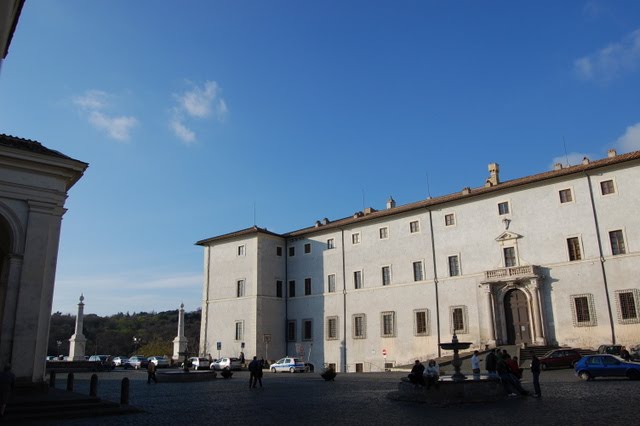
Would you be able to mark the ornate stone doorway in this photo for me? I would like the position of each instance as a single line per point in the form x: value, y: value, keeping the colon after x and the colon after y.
x: 516, y: 311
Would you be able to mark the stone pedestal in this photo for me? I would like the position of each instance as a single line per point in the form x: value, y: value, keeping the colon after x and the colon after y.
x: 180, y: 342
x: 78, y: 342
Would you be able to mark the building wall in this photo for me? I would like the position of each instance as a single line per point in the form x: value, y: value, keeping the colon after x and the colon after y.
x: 536, y: 226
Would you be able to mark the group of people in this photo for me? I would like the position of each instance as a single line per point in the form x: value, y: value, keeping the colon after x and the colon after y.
x: 421, y: 376
x: 500, y: 364
x: 255, y: 372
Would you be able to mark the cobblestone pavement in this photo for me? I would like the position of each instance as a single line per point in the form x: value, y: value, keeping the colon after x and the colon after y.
x: 305, y: 399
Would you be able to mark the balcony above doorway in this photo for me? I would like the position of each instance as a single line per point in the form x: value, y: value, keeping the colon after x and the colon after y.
x: 513, y: 273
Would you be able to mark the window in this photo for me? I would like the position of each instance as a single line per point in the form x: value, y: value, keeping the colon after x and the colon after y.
x: 384, y: 233
x: 607, y: 187
x: 388, y: 324
x: 240, y: 288
x: 386, y: 275
x: 239, y: 330
x: 307, y: 326
x: 292, y: 289
x: 503, y: 208
x: 458, y: 319
x: 241, y: 250
x: 509, y: 257
x: 359, y: 326
x: 418, y: 273
x: 307, y: 286
x: 357, y: 279
x: 627, y: 306
x: 449, y: 219
x: 617, y: 242
x: 565, y: 196
x: 292, y: 251
x: 355, y: 238
x: 583, y: 310
x: 332, y: 328
x: 414, y: 226
x: 421, y: 322
x: 331, y: 243
x: 454, y: 266
x: 278, y: 251
x: 573, y: 245
x: 307, y: 248
x: 331, y: 283
x: 278, y: 288
x: 291, y: 331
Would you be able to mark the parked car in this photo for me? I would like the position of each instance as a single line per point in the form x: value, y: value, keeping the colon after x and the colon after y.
x: 120, y: 361
x: 288, y: 364
x: 605, y: 365
x: 159, y: 361
x: 610, y: 349
x: 226, y: 364
x: 560, y: 358
x: 198, y: 363
x: 105, y: 362
x: 137, y: 362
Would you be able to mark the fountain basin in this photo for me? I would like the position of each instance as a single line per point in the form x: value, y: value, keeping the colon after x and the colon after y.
x: 451, y: 391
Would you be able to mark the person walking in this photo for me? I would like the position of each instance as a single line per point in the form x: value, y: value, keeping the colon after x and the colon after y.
x: 490, y: 363
x: 535, y: 372
x: 258, y: 373
x: 253, y: 371
x: 151, y: 373
x: 7, y: 383
x: 475, y: 365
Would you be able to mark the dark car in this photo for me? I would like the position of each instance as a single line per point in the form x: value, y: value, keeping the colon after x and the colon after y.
x: 604, y: 365
x: 560, y: 358
x: 102, y: 362
x: 610, y: 349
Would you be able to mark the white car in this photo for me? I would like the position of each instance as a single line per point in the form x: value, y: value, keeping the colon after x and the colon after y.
x: 288, y: 364
x: 120, y: 361
x: 226, y: 364
x: 159, y: 361
x: 198, y: 363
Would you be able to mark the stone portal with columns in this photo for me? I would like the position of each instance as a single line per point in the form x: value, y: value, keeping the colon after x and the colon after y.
x: 180, y: 342
x: 513, y: 306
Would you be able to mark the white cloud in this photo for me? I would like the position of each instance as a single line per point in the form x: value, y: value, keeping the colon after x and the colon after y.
x: 612, y: 61
x: 92, y: 103
x: 571, y: 159
x: 91, y: 100
x: 630, y: 141
x: 185, y: 134
x: 118, y: 128
x: 199, y: 103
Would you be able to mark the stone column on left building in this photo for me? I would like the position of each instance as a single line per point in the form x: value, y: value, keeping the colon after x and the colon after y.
x: 180, y: 342
x: 78, y: 341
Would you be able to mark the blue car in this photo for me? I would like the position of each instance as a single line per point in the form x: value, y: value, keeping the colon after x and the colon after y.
x: 604, y: 365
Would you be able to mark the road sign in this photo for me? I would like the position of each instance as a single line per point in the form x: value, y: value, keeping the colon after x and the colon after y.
x: 384, y: 352
x: 219, y: 345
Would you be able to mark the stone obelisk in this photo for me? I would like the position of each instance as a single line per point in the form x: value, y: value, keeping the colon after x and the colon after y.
x: 180, y: 342
x: 78, y: 341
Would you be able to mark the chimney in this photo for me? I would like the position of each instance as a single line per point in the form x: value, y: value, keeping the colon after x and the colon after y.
x: 369, y: 210
x: 391, y: 203
x: 325, y: 221
x: 557, y: 166
x: 585, y: 161
x: 318, y: 223
x: 612, y: 153
x: 466, y: 191
x: 494, y: 178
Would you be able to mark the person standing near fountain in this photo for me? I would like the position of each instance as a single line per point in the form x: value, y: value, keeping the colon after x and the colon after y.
x: 416, y: 375
x: 490, y: 363
x: 475, y: 365
x: 535, y: 372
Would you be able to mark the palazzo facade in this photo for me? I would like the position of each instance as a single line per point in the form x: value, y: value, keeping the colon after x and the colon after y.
x: 547, y: 259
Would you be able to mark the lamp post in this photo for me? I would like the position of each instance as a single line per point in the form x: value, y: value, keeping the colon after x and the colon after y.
x: 136, y: 344
x: 59, y: 344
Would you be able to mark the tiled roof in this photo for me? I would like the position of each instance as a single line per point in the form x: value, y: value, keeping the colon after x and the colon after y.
x: 473, y: 192
x: 29, y: 145
x: 253, y: 230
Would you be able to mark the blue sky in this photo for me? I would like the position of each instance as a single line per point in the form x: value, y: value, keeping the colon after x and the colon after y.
x: 197, y: 116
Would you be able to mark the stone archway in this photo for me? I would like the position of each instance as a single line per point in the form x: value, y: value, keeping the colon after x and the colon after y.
x: 517, y: 318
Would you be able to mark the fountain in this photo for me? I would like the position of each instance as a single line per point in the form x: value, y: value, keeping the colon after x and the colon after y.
x: 455, y: 346
x: 453, y: 389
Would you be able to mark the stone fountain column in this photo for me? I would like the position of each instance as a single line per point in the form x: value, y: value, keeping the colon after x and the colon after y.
x: 78, y: 341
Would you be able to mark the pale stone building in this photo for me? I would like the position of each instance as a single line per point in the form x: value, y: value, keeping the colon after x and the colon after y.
x: 34, y: 182
x: 548, y: 259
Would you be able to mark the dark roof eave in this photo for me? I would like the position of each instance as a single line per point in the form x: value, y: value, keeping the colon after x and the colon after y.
x: 248, y: 231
